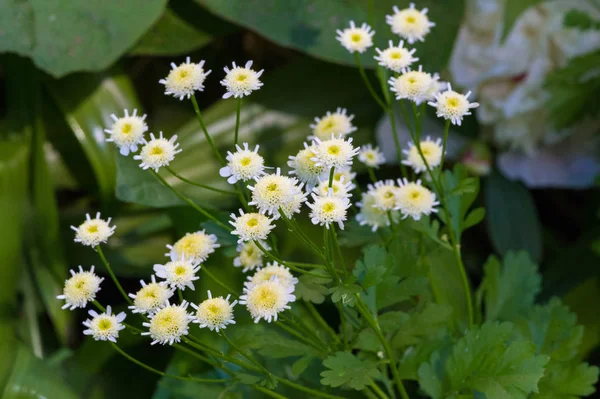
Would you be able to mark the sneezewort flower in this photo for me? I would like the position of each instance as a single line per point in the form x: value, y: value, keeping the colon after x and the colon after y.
x: 384, y: 193
x: 453, y: 106
x: 356, y: 38
x: 244, y: 165
x: 250, y: 257
x: 127, y: 132
x: 396, y: 58
x: 195, y: 247
x: 179, y: 273
x: 370, y: 156
x: 157, y: 152
x: 283, y: 274
x: 104, y: 326
x: 338, y: 123
x: 414, y: 200
x: 241, y: 81
x: 326, y: 210
x: 371, y: 215
x: 168, y: 324
x: 432, y: 151
x: 184, y: 79
x: 334, y: 153
x: 270, y: 192
x: 151, y: 296
x: 214, y: 313
x: 410, y: 23
x: 251, y: 226
x: 93, y: 232
x: 267, y: 299
x: 412, y: 85
x: 80, y: 288
x: 305, y: 168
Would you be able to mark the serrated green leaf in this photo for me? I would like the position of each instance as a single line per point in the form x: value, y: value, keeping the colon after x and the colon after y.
x: 370, y: 269
x: 312, y: 288
x: 459, y: 204
x: 509, y: 289
x: 345, y: 292
x: 78, y: 35
x: 432, y: 322
x: 485, y: 361
x: 414, y: 356
x: 368, y: 341
x: 563, y: 381
x: 345, y: 368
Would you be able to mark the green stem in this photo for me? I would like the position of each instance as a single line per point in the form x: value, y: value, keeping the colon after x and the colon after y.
x: 216, y: 280
x: 372, y: 176
x: 301, y: 337
x: 112, y: 275
x: 397, y: 141
x: 180, y: 295
x: 192, y: 203
x: 237, y: 120
x: 446, y: 129
x: 331, y: 174
x: 338, y: 249
x: 378, y: 390
x: 268, y: 392
x: 290, y: 266
x: 177, y: 377
x: 317, y: 316
x: 306, y: 389
x: 183, y: 179
x: 208, y: 138
x: 245, y: 354
x: 368, y: 83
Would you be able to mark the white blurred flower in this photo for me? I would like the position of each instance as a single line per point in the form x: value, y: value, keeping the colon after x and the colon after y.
x: 193, y: 246
x: 244, y: 165
x: 414, y: 200
x: 384, y: 194
x: 396, y: 58
x: 127, y: 132
x: 93, y: 232
x: 412, y: 85
x: 250, y: 257
x: 305, y: 167
x: 179, y: 273
x: 282, y: 273
x: 356, y: 38
x: 373, y: 216
x: 410, y: 23
x: 432, y: 151
x: 184, y: 79
x: 241, y: 81
x: 338, y: 123
x: 370, y: 156
x: 157, y: 152
x: 104, y: 326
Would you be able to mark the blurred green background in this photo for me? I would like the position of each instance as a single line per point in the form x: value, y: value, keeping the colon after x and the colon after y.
x: 67, y: 65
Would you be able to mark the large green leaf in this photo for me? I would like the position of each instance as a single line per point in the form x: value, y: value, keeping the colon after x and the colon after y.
x: 310, y: 25
x: 76, y: 35
x: 86, y: 102
x: 512, y: 220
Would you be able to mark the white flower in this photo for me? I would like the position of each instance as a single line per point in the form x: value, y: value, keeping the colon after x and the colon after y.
x: 250, y: 256
x: 356, y: 38
x: 127, y: 132
x: 193, y: 246
x: 415, y: 200
x: 169, y: 323
x: 240, y: 82
x: 432, y: 151
x: 80, y: 288
x: 452, y: 105
x: 306, y: 168
x: 339, y: 188
x: 437, y: 86
x: 270, y: 192
x: 244, y: 164
x: 104, y: 326
x: 267, y: 299
x: 345, y: 175
x: 294, y: 204
x: 371, y: 215
x: 151, y: 296
x: 157, y: 152
x: 251, y: 226
x: 179, y: 273
x: 328, y: 210
x: 214, y: 313
x: 370, y: 156
x: 93, y: 232
x: 334, y: 153
x: 266, y: 273
x: 183, y: 80
x: 410, y: 23
x: 338, y: 123
x: 384, y: 194
x: 396, y: 58
x: 412, y: 85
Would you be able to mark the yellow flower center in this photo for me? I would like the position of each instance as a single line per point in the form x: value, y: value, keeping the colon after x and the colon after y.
x: 328, y: 207
x: 241, y: 77
x: 388, y: 194
x: 272, y: 187
x: 183, y: 74
x: 245, y: 161
x: 179, y: 270
x: 213, y: 308
x: 92, y: 228
x: 104, y: 324
x: 333, y: 150
x: 80, y: 284
x: 151, y: 293
x: 410, y: 19
x: 252, y: 222
x: 126, y: 129
x: 156, y: 151
x: 356, y: 37
x: 452, y: 102
x: 370, y: 156
x: 395, y: 55
x: 412, y: 80
x: 267, y: 297
x: 415, y: 194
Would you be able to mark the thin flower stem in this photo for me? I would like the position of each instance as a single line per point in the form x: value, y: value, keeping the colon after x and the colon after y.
x: 317, y: 316
x: 290, y: 266
x: 268, y: 392
x: 216, y: 280
x: 367, y: 83
x: 372, y: 175
x: 112, y: 275
x: 176, y: 377
x: 245, y: 354
x: 307, y: 265
x: 180, y: 294
x: 300, y: 234
x: 208, y: 138
x: 378, y: 390
x: 306, y: 389
x: 329, y: 255
x: 446, y: 129
x: 304, y: 329
x: 301, y: 337
x: 218, y: 354
x: 338, y: 249
x: 183, y: 179
x: 237, y: 120
x: 331, y: 174
x: 192, y: 203
x: 397, y: 141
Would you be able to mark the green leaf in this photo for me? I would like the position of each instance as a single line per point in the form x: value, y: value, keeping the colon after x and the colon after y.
x: 86, y: 102
x: 270, y: 343
x: 580, y: 20
x: 310, y: 25
x: 170, y: 35
x: 578, y: 300
x: 485, y: 361
x: 300, y: 365
x: 461, y: 192
x: 312, y: 288
x: 512, y: 10
x: 78, y: 35
x: 432, y: 322
x: 370, y: 269
x: 468, y: 185
x: 512, y: 219
x: 345, y: 292
x: 567, y: 382
x: 510, y: 289
x: 345, y: 368
x: 474, y: 217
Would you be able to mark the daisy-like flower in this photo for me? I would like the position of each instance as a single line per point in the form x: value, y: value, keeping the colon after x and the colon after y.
x: 193, y: 246
x: 370, y: 156
x: 157, y: 152
x: 267, y: 299
x: 396, y: 58
x: 412, y: 85
x: 270, y: 192
x: 294, y: 204
x: 334, y: 153
x: 179, y: 273
x: 339, y: 188
x: 328, y: 210
x: 241, y: 81
x: 373, y: 216
x: 168, y: 324
x: 251, y: 226
x: 345, y: 175
x: 415, y: 200
x: 305, y: 167
x: 80, y: 288
x: 432, y: 151
x: 244, y: 164
x: 151, y: 296
x: 214, y: 313
x: 183, y: 80
x: 437, y: 86
x: 93, y: 232
x: 127, y: 132
x: 384, y: 192
x: 250, y: 257
x: 356, y: 38
x: 266, y: 273
x: 410, y: 23
x: 338, y: 123
x: 452, y: 105
x: 104, y: 326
